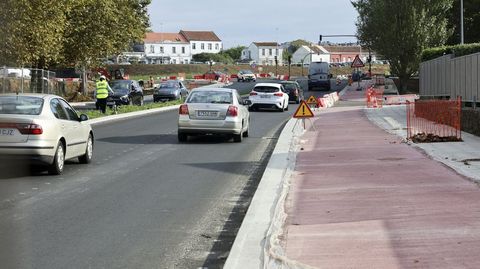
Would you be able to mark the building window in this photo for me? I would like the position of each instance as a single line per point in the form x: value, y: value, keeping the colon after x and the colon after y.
x: 269, y: 51
x: 174, y: 61
x: 174, y: 50
x: 194, y: 46
x: 152, y: 49
x: 183, y: 50
x: 202, y: 46
x: 161, y: 50
x: 209, y: 46
x: 263, y: 52
x: 276, y: 52
x: 216, y: 46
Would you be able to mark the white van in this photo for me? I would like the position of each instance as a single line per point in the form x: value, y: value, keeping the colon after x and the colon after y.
x: 318, y: 75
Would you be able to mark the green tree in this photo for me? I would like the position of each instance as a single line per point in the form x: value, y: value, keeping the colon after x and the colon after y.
x: 72, y: 32
x: 216, y: 57
x: 400, y: 30
x: 32, y: 31
x: 97, y: 29
x: 234, y: 53
x: 471, y: 21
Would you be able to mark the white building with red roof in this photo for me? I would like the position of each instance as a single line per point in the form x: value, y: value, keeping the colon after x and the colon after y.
x: 174, y: 48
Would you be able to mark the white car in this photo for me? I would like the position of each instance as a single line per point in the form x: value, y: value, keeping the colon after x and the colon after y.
x: 246, y: 75
x: 43, y: 129
x: 269, y: 95
x: 214, y: 111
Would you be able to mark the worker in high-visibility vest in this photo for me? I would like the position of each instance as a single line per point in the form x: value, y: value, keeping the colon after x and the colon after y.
x: 101, y: 93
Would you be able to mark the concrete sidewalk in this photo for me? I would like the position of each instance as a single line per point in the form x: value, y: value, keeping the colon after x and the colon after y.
x: 361, y: 196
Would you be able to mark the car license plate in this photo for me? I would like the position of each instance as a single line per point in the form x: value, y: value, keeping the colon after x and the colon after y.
x: 264, y: 96
x: 7, y: 132
x: 110, y: 103
x: 204, y: 113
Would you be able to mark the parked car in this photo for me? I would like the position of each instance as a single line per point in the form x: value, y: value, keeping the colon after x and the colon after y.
x: 213, y: 75
x: 246, y: 75
x: 214, y: 111
x: 43, y: 129
x: 269, y: 95
x: 169, y: 90
x: 125, y: 92
x: 294, y: 91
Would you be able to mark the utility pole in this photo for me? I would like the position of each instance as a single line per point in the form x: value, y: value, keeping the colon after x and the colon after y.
x: 462, y: 37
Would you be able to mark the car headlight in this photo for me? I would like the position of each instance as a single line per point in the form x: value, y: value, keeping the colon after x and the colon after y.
x: 124, y: 98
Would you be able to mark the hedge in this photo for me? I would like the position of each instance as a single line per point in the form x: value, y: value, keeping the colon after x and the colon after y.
x: 457, y: 51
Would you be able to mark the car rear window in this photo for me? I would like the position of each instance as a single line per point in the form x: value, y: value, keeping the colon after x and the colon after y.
x: 23, y: 105
x: 265, y: 89
x: 169, y: 85
x: 289, y: 86
x: 213, y: 97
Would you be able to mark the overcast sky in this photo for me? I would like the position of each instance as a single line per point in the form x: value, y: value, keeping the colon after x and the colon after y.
x: 242, y: 22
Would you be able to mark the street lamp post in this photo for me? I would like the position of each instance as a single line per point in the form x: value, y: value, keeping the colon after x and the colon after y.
x: 304, y: 57
x: 461, y: 23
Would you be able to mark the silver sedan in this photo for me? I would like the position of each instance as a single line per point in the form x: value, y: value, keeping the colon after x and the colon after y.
x: 214, y: 111
x: 43, y: 129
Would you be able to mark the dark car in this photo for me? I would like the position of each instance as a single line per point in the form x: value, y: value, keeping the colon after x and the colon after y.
x: 294, y: 91
x: 169, y: 90
x: 125, y: 92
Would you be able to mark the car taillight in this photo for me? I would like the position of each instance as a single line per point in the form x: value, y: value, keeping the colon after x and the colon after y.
x: 232, y: 111
x: 278, y: 94
x: 253, y: 93
x: 29, y: 129
x: 183, y: 110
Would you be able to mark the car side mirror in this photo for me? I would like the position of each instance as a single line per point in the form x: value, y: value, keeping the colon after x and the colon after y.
x: 247, y: 102
x: 83, y: 117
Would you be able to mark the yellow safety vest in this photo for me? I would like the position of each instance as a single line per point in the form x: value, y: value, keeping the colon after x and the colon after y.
x: 102, y: 90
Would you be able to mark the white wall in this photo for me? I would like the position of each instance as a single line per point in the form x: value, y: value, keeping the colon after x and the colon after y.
x: 302, y: 53
x: 208, y: 47
x: 266, y: 55
x: 179, y: 53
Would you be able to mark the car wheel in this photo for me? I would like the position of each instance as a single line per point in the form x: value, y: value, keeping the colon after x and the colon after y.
x: 282, y: 108
x: 56, y: 168
x: 182, y: 137
x: 237, y: 138
x: 87, y: 157
x: 245, y: 134
x: 286, y: 109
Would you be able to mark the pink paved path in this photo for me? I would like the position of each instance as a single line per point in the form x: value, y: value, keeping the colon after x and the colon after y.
x: 362, y: 199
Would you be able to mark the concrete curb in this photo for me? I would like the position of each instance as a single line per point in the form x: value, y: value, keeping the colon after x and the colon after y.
x: 113, y: 118
x: 250, y: 244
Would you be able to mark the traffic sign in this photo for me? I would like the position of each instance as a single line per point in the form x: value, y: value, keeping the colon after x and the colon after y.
x: 303, y: 111
x: 311, y: 100
x: 357, y: 62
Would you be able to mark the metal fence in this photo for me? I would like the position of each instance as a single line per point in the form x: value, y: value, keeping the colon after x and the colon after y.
x: 451, y: 77
x: 434, y: 120
x: 29, y: 80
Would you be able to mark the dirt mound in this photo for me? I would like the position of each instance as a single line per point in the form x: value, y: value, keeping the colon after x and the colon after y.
x: 431, y: 138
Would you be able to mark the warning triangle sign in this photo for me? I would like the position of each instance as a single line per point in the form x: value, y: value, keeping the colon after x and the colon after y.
x: 357, y: 62
x: 311, y: 100
x: 303, y: 111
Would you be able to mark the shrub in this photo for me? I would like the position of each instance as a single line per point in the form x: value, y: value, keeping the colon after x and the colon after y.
x: 457, y: 51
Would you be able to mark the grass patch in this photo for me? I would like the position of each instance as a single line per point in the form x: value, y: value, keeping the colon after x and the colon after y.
x: 93, y: 114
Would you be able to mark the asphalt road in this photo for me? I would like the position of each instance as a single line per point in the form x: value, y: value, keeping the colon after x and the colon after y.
x: 145, y: 201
